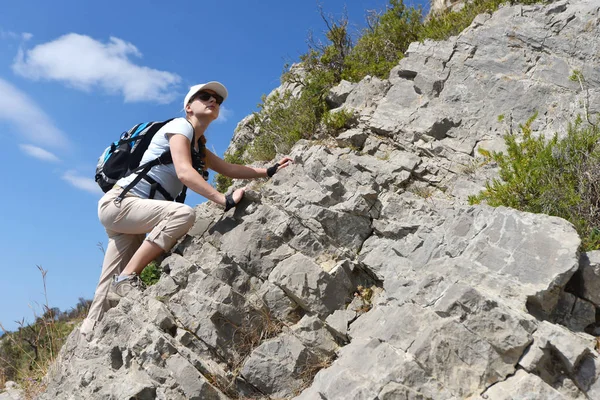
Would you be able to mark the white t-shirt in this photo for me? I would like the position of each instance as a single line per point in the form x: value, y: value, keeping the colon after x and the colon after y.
x: 163, y: 174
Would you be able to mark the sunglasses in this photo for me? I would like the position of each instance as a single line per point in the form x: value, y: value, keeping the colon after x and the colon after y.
x: 205, y: 96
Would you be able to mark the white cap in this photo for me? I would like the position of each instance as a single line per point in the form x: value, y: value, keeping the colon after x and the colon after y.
x: 217, y: 87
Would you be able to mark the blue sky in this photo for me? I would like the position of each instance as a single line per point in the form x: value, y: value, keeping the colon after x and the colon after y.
x: 75, y: 74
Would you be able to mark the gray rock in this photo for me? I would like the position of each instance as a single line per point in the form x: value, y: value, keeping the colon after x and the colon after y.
x: 522, y: 386
x: 338, y: 94
x: 274, y: 301
x: 574, y: 312
x: 339, y: 322
x: 509, y: 332
x: 308, y: 285
x: 313, y: 333
x: 191, y: 381
x: 244, y: 133
x: 590, y: 277
x: 572, y: 348
x: 557, y: 356
x: 502, y: 243
x: 277, y: 367
x: 251, y: 246
x: 380, y: 364
x: 178, y: 268
x: 365, y: 94
x: 162, y: 317
x: 399, y: 104
x: 351, y: 138
x: 11, y: 391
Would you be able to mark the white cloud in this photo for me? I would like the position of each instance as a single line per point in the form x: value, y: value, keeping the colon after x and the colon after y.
x: 8, y: 35
x: 38, y: 152
x: 82, y: 182
x: 12, y: 35
x: 224, y: 114
x: 85, y: 63
x: 31, y: 121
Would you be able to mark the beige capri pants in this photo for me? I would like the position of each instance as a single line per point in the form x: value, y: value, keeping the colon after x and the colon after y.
x: 127, y: 226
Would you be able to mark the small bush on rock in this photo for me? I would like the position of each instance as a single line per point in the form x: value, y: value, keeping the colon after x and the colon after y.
x: 151, y: 274
x: 559, y: 177
x: 384, y: 42
x: 336, y: 121
x: 282, y: 121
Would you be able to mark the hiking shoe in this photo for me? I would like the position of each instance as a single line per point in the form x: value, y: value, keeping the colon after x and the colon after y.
x: 121, y: 288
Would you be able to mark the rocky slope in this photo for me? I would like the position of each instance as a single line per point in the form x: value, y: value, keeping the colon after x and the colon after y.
x: 360, y: 272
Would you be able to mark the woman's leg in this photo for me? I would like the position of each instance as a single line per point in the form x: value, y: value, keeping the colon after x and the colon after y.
x: 126, y: 226
x: 121, y: 247
x: 147, y: 252
x: 165, y: 222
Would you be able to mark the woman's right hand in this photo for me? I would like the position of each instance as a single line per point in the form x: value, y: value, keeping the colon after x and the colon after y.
x: 233, y: 199
x: 238, y: 194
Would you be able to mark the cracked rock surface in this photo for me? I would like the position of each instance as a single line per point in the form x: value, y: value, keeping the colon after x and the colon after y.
x: 360, y: 272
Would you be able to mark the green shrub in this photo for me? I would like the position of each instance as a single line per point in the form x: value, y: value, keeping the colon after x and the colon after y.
x: 264, y: 147
x: 383, y: 44
x: 336, y: 121
x: 558, y: 177
x: 223, y: 183
x: 283, y: 120
x: 151, y: 274
x: 333, y: 56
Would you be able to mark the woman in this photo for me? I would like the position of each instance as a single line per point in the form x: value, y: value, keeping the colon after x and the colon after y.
x: 143, y: 210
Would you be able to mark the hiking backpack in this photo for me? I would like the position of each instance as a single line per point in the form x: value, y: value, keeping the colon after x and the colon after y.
x: 123, y: 157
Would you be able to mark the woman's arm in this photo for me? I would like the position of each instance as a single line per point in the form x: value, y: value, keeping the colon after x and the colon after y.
x: 182, y: 160
x: 237, y: 171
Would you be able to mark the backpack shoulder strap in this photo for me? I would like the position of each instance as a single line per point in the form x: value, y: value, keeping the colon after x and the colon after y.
x: 181, y: 197
x: 142, y: 171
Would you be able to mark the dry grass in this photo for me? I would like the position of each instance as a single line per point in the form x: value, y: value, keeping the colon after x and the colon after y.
x: 310, y: 370
x: 3, y: 379
x: 27, y: 355
x: 255, y: 330
x: 470, y: 168
x: 423, y: 191
x: 258, y: 326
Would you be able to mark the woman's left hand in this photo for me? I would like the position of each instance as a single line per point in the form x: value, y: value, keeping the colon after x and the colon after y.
x: 284, y: 162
